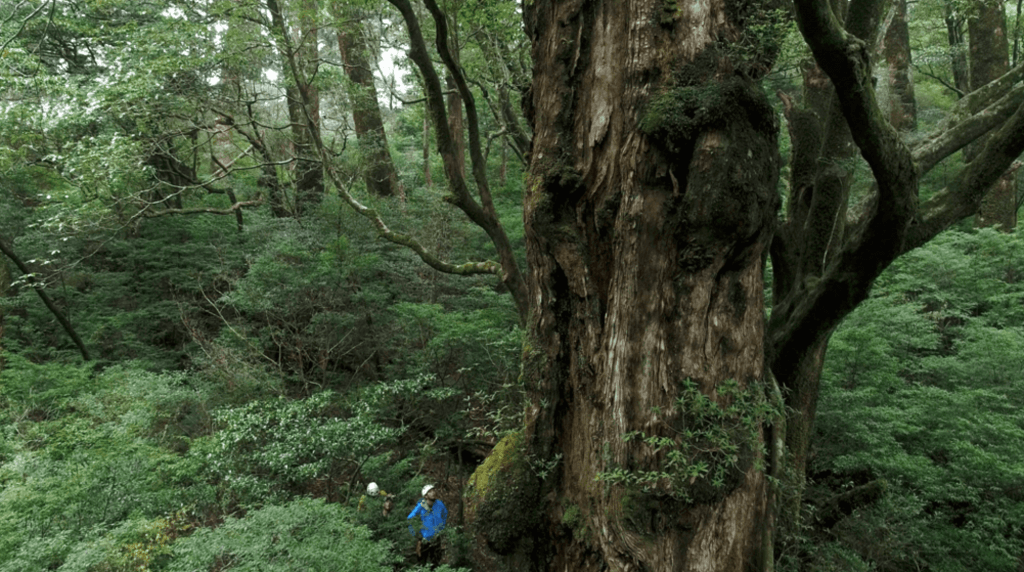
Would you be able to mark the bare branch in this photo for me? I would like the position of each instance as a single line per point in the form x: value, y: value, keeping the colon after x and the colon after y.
x: 47, y: 301
x: 920, y: 69
x: 202, y: 210
x: 23, y: 22
x: 976, y: 114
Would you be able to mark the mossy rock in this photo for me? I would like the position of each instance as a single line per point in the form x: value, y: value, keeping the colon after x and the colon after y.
x: 502, y: 495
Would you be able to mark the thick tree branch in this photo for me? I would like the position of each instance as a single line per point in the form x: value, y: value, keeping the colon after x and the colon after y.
x: 845, y: 59
x: 816, y: 306
x: 963, y: 195
x: 38, y: 287
x: 892, y: 224
x: 976, y: 114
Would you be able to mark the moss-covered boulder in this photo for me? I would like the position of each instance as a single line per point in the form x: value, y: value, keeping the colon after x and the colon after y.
x: 502, y: 496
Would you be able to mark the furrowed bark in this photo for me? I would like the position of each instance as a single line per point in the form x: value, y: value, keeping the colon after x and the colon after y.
x: 645, y: 245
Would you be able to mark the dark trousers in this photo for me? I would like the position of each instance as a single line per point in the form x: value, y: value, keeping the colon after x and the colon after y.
x: 429, y: 551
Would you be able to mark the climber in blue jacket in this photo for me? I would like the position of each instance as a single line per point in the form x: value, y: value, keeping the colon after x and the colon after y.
x: 432, y: 515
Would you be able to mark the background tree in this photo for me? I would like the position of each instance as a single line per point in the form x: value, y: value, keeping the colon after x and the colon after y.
x: 990, y: 59
x: 303, y: 97
x: 379, y: 174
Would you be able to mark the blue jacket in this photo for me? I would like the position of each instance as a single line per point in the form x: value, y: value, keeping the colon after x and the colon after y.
x: 432, y: 520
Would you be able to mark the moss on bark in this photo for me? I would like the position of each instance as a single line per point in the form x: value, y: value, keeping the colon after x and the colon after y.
x: 502, y: 496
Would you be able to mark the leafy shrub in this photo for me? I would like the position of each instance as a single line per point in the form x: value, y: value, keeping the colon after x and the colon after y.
x: 281, y: 445
x: 303, y: 535
x: 922, y: 387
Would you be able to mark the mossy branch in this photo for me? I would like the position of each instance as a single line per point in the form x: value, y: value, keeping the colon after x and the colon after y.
x: 973, y: 116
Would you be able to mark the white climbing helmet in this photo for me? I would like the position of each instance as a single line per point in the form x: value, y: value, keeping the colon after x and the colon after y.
x: 426, y: 489
x: 372, y: 489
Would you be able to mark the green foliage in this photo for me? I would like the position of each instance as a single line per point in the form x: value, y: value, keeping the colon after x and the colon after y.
x: 299, y: 536
x: 100, y: 462
x: 265, y: 448
x: 709, y: 445
x: 28, y: 389
x: 922, y: 387
x: 136, y: 545
x: 574, y: 520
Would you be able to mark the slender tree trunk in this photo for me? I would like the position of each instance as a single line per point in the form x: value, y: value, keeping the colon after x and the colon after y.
x: 455, y: 123
x: 309, y: 179
x: 957, y: 49
x: 503, y: 173
x: 646, y: 242
x: 1016, y: 35
x: 989, y: 51
x: 8, y: 251
x: 426, y: 151
x: 380, y: 175
x: 896, y: 86
x: 5, y: 286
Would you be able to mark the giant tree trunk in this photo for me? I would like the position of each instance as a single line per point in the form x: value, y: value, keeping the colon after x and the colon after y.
x: 380, y: 176
x: 649, y: 208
